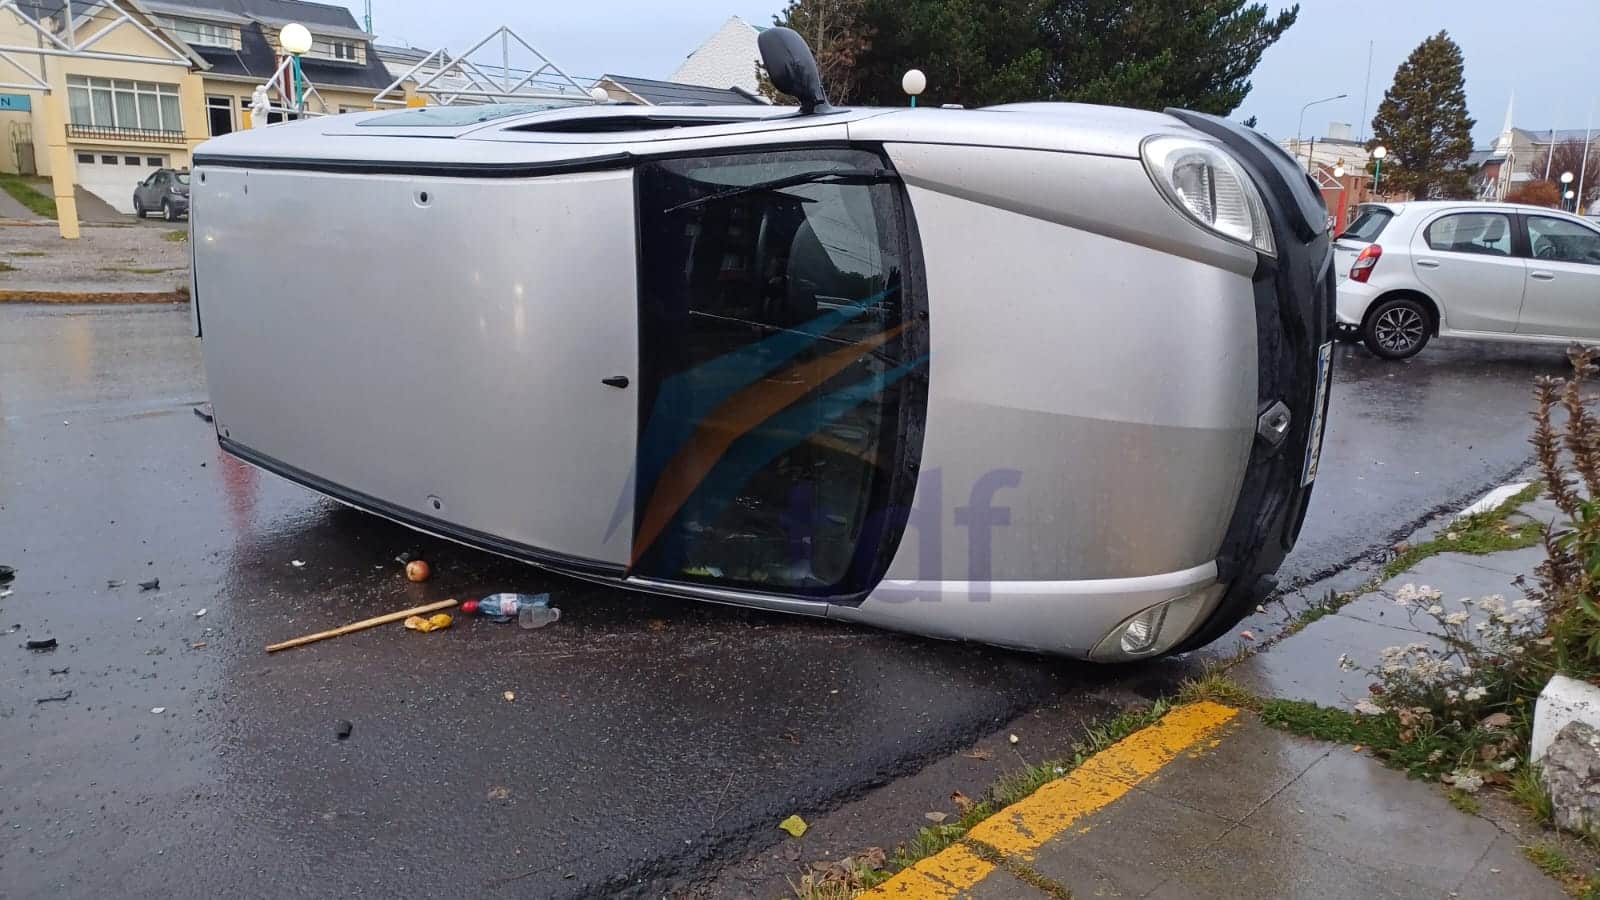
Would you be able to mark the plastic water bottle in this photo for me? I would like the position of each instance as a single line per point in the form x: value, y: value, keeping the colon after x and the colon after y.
x: 531, y: 610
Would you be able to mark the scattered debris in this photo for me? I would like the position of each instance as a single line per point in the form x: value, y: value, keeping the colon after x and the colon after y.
x: 530, y: 610
x: 936, y: 817
x: 342, y: 729
x: 418, y: 570
x: 435, y: 622
x: 1013, y: 739
x: 6, y: 574
x: 656, y: 625
x: 499, y: 793
x: 199, y: 612
x: 153, y: 584
x: 1260, y: 608
x: 158, y: 710
x: 704, y: 571
x: 41, y: 643
x: 408, y: 556
x: 204, y: 412
x: 962, y: 802
x: 979, y: 754
x: 198, y: 645
x: 297, y: 563
x: 61, y: 671
x: 509, y: 695
x: 363, y: 624
x: 114, y: 583
x: 56, y: 699
x: 794, y: 825
x: 5, y: 593
x: 1248, y: 635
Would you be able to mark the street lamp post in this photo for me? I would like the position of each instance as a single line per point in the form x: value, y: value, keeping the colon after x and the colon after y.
x: 296, y: 40
x: 914, y: 83
x: 1338, y: 174
x: 1299, y: 128
x: 1566, y: 192
x: 1378, y: 153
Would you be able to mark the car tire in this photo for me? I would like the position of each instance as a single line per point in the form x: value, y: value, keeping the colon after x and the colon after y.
x: 137, y: 209
x: 1397, y: 328
x: 170, y: 214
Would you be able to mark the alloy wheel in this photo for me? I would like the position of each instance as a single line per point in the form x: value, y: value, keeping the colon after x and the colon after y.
x: 1399, y: 329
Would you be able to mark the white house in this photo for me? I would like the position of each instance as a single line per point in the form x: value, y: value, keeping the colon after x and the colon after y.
x: 727, y: 59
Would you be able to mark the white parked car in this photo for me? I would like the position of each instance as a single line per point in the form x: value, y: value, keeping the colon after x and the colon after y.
x: 1493, y: 271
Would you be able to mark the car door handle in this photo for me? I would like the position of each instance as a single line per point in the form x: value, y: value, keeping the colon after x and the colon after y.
x: 1427, y: 264
x: 1543, y: 276
x: 616, y: 381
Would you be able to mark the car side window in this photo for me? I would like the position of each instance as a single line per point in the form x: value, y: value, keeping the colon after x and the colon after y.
x: 1559, y: 240
x: 1482, y: 233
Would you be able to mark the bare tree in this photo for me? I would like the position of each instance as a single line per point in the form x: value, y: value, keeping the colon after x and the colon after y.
x: 1567, y: 156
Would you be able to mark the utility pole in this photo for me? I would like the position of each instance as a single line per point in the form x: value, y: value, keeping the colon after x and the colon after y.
x: 1366, y: 94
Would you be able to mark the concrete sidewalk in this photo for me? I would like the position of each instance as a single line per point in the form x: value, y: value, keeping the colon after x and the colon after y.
x: 129, y: 263
x: 1211, y: 803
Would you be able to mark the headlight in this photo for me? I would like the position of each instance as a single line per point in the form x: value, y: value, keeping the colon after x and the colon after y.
x: 1204, y: 182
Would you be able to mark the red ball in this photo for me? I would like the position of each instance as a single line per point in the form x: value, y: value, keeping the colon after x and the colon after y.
x: 469, y: 607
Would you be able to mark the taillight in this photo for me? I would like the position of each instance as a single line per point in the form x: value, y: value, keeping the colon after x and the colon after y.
x: 1361, y: 269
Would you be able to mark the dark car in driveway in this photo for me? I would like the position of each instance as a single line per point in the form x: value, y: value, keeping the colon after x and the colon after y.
x: 166, y: 191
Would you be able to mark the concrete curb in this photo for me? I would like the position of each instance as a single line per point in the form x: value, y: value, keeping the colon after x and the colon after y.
x: 9, y: 296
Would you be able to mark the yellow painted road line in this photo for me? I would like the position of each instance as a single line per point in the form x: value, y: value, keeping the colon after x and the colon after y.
x: 1023, y: 827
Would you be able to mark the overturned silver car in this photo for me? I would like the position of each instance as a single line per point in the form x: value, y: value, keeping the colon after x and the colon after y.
x: 1047, y: 376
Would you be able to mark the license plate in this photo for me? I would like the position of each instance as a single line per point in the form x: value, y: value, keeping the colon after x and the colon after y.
x: 1314, y: 444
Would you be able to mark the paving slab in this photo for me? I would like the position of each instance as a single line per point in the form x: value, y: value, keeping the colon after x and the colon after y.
x: 1259, y: 762
x: 1350, y: 804
x: 1504, y: 871
x: 1248, y: 865
x: 1129, y: 848
x: 1305, y: 666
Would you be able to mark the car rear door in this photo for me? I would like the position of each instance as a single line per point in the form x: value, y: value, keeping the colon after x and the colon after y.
x: 1563, y: 293
x: 1466, y: 261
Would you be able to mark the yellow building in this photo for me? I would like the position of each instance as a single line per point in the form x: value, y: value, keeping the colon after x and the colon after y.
x: 136, y: 85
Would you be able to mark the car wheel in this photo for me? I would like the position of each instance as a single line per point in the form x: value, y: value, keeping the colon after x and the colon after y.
x: 138, y: 210
x: 1397, y: 329
x: 167, y: 211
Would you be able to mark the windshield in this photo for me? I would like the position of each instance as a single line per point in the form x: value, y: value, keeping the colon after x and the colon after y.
x: 1368, y: 225
x: 181, y: 177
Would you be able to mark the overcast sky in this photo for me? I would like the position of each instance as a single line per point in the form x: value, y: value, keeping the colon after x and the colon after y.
x: 1547, y: 52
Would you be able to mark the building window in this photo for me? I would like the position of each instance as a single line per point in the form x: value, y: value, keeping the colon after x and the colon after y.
x: 203, y: 34
x: 157, y: 161
x: 108, y: 160
x: 1563, y: 241
x: 219, y: 113
x: 86, y: 158
x: 114, y: 103
x: 130, y: 160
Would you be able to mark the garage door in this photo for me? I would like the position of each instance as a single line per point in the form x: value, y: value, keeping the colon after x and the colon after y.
x: 113, y: 176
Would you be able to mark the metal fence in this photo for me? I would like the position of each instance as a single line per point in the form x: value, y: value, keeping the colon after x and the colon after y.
x: 107, y: 133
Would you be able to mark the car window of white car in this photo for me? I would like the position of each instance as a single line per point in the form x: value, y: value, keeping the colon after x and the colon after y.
x: 1559, y: 240
x: 1487, y: 234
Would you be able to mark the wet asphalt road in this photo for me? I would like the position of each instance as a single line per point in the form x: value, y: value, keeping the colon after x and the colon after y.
x: 648, y: 738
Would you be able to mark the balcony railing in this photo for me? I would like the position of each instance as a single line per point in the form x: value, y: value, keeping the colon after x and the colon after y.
x: 109, y: 133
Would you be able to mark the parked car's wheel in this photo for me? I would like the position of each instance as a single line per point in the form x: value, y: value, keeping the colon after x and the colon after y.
x: 138, y: 208
x: 1397, y: 328
x: 168, y: 212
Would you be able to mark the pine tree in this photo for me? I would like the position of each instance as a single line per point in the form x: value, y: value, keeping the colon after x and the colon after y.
x: 1424, y: 124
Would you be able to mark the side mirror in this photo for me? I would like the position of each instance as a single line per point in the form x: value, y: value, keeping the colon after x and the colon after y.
x: 793, y: 69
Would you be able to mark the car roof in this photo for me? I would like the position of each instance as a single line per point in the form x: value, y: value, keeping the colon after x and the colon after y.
x: 1424, y: 207
x: 577, y: 132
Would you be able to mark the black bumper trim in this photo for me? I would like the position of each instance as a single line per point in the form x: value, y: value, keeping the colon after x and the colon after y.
x: 421, y: 521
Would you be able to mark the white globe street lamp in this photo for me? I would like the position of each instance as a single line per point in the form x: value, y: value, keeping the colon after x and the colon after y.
x: 914, y: 83
x: 1338, y: 171
x: 1378, y: 153
x: 294, y: 39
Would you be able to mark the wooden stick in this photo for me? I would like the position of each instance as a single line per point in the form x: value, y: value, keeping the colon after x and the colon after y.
x: 364, y: 623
